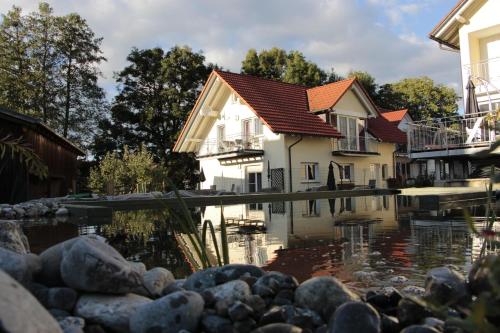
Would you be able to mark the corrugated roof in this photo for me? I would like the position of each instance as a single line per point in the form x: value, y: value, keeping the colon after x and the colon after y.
x: 325, y: 97
x: 386, y: 131
x: 282, y: 106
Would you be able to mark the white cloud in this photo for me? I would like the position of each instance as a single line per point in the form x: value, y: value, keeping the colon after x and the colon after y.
x: 334, y: 33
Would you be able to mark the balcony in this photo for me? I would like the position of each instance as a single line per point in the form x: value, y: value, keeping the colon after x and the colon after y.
x: 485, y: 75
x: 354, y: 146
x: 460, y: 135
x: 238, y: 145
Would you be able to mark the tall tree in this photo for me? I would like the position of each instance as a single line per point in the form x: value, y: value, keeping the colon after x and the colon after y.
x: 366, y: 80
x: 291, y: 67
x: 422, y: 96
x: 156, y: 92
x: 49, y: 69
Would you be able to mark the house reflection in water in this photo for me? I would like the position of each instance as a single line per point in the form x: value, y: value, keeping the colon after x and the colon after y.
x: 338, y: 237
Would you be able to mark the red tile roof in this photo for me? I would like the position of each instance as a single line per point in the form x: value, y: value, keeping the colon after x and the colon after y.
x: 386, y: 131
x: 282, y: 106
x: 393, y: 116
x: 324, y: 97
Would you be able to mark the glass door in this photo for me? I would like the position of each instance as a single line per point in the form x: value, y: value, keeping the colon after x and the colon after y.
x: 255, y: 185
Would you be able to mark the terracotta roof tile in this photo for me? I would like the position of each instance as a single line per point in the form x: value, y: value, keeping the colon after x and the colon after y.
x: 393, y: 116
x: 324, y: 97
x: 282, y: 106
x: 386, y: 131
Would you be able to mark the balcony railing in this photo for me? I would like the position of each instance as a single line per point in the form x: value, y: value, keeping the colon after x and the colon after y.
x: 231, y: 144
x: 485, y: 74
x: 472, y: 130
x: 355, y: 144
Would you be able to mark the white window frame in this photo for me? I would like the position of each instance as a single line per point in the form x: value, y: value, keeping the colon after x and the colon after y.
x: 385, y: 171
x: 311, y: 208
x: 306, y: 167
x: 347, y: 133
x: 351, y: 171
x: 258, y: 127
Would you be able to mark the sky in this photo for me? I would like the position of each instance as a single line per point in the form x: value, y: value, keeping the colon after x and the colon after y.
x: 387, y: 38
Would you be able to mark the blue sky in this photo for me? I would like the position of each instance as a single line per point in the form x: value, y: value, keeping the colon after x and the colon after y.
x: 387, y: 38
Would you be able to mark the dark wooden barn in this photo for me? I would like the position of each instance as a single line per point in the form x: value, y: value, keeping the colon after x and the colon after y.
x: 59, y: 154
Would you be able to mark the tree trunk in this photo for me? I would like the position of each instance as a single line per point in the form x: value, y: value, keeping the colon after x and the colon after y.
x: 67, y: 97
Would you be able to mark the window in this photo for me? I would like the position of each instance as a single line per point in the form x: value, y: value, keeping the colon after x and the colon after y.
x: 347, y: 172
x: 311, y: 208
x: 385, y: 170
x: 348, y: 127
x: 310, y: 172
x: 255, y: 185
x: 221, y: 136
x: 257, y: 125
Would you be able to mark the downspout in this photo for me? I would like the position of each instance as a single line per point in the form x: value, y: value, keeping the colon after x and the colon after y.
x: 290, y: 179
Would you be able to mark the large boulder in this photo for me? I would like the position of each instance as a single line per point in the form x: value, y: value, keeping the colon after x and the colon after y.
x: 323, y: 294
x: 446, y: 286
x: 93, y: 266
x: 110, y: 311
x: 21, y: 312
x: 201, y: 280
x: 232, y: 291
x: 156, y: 280
x: 355, y: 317
x: 19, y: 266
x: 181, y: 310
x: 235, y: 271
x: 12, y: 237
x: 270, y: 283
x: 50, y: 274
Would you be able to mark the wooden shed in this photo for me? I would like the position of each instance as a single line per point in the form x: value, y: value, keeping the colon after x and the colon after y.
x: 59, y: 154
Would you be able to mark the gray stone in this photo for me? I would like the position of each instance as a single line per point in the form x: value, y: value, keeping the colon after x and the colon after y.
x: 256, y: 303
x: 445, y: 286
x: 216, y: 324
x: 480, y: 273
x: 138, y: 266
x: 235, y: 271
x: 201, y: 280
x: 93, y: 266
x: 21, y: 312
x: 419, y: 329
x: 278, y: 328
x: 156, y: 280
x: 72, y: 324
x: 61, y: 298
x: 63, y: 211
x: 12, y: 237
x: 59, y: 314
x: 18, y: 266
x: 272, y: 282
x: 50, y: 274
x: 171, y: 313
x: 434, y: 322
x: 239, y: 311
x: 244, y: 326
x: 410, y: 312
x: 110, y: 311
x: 231, y: 291
x: 355, y: 317
x: 323, y: 294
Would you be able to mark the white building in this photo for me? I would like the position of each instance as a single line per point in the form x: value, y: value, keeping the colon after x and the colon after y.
x: 250, y: 133
x: 472, y: 29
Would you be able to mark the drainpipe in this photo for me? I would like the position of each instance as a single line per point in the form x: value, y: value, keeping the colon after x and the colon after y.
x: 290, y: 179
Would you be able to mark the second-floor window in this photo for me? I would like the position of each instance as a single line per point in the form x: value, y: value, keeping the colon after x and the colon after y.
x: 349, y: 129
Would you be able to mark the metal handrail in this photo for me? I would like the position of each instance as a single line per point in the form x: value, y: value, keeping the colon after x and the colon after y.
x: 230, y: 143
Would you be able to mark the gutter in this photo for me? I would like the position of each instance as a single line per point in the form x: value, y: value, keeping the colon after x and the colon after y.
x: 290, y: 179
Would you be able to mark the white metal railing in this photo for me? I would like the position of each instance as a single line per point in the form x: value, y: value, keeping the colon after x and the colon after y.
x: 229, y: 144
x: 485, y: 74
x: 360, y: 144
x: 454, y: 132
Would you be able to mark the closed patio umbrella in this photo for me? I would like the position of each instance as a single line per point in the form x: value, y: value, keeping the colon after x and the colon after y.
x: 331, y: 203
x: 330, y: 182
x: 471, y: 106
x: 202, y: 176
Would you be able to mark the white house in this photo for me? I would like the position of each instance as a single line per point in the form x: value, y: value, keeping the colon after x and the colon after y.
x: 250, y: 133
x: 472, y: 29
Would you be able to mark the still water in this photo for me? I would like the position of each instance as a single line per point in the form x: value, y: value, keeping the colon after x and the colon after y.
x: 366, y: 241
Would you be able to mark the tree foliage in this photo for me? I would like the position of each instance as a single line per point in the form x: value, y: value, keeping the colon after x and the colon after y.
x: 291, y: 67
x: 157, y: 90
x: 366, y: 80
x: 49, y: 70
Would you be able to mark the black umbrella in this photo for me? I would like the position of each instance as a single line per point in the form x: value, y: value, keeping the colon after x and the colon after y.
x: 268, y: 171
x: 471, y: 106
x: 330, y: 182
x: 202, y: 176
x: 331, y: 203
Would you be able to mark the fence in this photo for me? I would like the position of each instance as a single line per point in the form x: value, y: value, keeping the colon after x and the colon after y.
x: 228, y: 144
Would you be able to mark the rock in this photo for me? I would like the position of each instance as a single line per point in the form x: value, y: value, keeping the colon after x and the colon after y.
x: 50, y: 274
x: 446, y: 286
x: 355, y: 317
x: 139, y: 267
x: 94, y: 329
x: 221, y: 307
x: 278, y: 328
x: 61, y: 298
x: 434, y: 322
x: 256, y: 303
x: 59, y: 314
x: 171, y: 313
x: 93, y: 266
x: 231, y: 291
x: 63, y: 211
x: 411, y: 312
x: 389, y: 324
x: 413, y: 291
x: 323, y: 294
x: 244, y: 326
x: 235, y: 271
x: 274, y: 315
x: 12, y: 237
x: 171, y: 288
x: 399, y: 279
x: 110, y: 311
x: 19, y: 266
x: 239, y: 311
x: 419, y: 329
x: 480, y: 273
x: 272, y: 282
x: 216, y: 324
x: 157, y: 279
x: 21, y: 312
x: 72, y: 324
x: 201, y: 280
